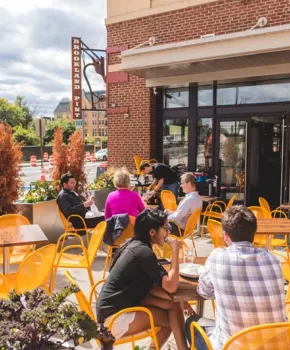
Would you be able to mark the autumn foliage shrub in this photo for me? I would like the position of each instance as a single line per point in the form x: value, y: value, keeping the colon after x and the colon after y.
x: 10, y: 159
x: 69, y: 158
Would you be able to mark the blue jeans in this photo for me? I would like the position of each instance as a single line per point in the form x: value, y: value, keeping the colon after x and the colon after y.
x: 172, y: 187
x: 199, y: 341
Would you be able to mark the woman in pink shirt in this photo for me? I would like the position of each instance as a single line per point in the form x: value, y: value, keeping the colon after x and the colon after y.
x: 123, y: 201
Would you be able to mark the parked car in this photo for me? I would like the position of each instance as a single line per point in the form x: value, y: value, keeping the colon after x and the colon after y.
x: 102, y: 154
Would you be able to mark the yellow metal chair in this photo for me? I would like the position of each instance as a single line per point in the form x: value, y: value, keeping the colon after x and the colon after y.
x: 138, y: 161
x: 259, y: 213
x: 241, y: 181
x: 196, y: 326
x: 17, y: 254
x: 33, y: 272
x: 165, y: 252
x: 189, y: 228
x: 216, y: 233
x: 272, y: 336
x: 285, y: 263
x: 279, y: 242
x: 85, y: 306
x: 168, y: 200
x: 216, y: 205
x: 68, y: 227
x: 288, y: 303
x: 264, y: 204
x: 64, y: 259
x: 128, y: 233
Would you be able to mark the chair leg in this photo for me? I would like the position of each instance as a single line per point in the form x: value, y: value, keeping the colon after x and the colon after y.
x: 193, y: 244
x: 52, y: 279
x: 91, y: 278
x: 109, y: 254
x: 202, y: 225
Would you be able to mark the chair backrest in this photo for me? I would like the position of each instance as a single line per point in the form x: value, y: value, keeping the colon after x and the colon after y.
x: 216, y: 233
x: 4, y: 287
x: 191, y: 223
x: 168, y: 200
x: 263, y: 337
x: 63, y: 220
x: 231, y: 201
x: 260, y: 212
x: 35, y: 269
x: 96, y: 240
x: 128, y: 233
x: 138, y: 161
x: 264, y: 204
x: 13, y: 220
x: 277, y: 213
x: 81, y: 298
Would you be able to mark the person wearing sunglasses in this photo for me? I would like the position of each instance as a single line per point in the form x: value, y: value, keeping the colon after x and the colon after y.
x: 138, y: 279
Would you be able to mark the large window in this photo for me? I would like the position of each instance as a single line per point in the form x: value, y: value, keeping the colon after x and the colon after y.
x: 266, y: 92
x: 175, y: 141
x: 176, y: 98
x: 205, y: 96
x: 204, y: 145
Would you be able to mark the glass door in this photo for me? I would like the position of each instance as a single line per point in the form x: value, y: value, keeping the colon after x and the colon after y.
x: 232, y: 158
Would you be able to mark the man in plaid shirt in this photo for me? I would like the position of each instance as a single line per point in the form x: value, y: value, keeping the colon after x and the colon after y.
x: 246, y: 282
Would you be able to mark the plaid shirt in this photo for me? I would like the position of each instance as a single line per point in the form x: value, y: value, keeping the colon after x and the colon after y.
x: 248, y: 287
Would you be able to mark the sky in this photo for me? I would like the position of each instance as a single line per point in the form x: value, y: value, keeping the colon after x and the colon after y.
x: 35, y: 54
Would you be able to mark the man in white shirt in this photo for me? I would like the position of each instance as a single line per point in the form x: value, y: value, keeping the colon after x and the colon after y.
x: 187, y: 206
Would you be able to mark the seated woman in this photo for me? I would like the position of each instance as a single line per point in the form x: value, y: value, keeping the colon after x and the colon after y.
x: 137, y: 279
x: 123, y: 201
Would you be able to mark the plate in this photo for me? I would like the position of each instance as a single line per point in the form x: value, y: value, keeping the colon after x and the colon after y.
x: 190, y: 270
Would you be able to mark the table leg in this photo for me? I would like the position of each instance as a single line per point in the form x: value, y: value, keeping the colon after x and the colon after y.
x: 268, y: 242
x: 6, y: 260
x: 199, y: 307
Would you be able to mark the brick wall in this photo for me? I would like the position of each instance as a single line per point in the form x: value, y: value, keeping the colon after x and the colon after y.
x: 136, y: 135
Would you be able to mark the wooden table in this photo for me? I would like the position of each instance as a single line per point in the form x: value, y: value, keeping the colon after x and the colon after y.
x: 271, y: 227
x: 187, y: 288
x: 11, y: 236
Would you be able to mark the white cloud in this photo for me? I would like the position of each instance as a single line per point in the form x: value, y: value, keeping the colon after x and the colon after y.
x: 35, y: 39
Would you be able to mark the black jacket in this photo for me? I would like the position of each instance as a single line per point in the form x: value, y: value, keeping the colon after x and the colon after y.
x: 115, y: 227
x: 69, y: 203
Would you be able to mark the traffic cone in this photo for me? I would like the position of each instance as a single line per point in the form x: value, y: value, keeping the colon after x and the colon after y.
x: 42, y: 175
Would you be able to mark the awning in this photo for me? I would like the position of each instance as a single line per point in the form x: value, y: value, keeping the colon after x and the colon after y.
x: 258, y: 52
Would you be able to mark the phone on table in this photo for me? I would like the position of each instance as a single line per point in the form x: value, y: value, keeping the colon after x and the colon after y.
x: 164, y: 261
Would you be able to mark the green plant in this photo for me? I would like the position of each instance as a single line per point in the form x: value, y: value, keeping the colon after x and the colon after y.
x: 103, y: 182
x: 32, y: 321
x: 42, y: 191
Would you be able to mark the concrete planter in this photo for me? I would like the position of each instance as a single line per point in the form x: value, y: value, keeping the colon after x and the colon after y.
x: 44, y: 214
x: 101, y: 197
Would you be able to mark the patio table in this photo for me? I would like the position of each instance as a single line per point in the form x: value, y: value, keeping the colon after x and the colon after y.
x: 270, y: 227
x: 187, y: 288
x: 11, y: 236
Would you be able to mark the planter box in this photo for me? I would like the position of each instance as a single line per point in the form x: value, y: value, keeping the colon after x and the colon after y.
x: 44, y: 214
x: 101, y: 197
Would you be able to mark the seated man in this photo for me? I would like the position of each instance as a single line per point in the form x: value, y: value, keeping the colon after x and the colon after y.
x: 69, y: 203
x: 245, y: 281
x: 164, y: 177
x: 187, y: 206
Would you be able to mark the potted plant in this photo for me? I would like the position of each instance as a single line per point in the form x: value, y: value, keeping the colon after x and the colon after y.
x: 102, y: 186
x: 37, y: 321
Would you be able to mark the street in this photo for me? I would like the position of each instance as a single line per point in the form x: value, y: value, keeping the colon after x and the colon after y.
x: 31, y: 174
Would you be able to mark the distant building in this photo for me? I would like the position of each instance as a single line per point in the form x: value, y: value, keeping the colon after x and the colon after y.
x: 95, y: 122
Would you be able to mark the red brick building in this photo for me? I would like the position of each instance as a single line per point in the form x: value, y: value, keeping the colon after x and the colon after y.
x: 204, y: 82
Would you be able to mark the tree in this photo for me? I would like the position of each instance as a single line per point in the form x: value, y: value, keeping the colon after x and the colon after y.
x: 59, y: 151
x: 68, y: 128
x: 28, y: 111
x: 10, y: 155
x: 10, y: 114
x: 26, y: 136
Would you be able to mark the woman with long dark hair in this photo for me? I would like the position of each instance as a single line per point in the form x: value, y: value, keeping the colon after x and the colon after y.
x: 138, y: 279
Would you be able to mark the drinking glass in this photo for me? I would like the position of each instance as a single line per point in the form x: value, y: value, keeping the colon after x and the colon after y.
x: 189, y: 255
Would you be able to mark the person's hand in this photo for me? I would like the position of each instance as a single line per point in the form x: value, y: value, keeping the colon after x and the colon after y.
x: 88, y: 203
x: 168, y: 211
x: 175, y: 244
x: 186, y: 307
x: 151, y: 193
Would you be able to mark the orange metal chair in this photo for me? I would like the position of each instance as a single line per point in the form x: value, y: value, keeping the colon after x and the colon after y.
x: 68, y: 227
x: 264, y: 204
x: 271, y: 336
x: 33, y: 272
x: 128, y: 233
x: 216, y: 233
x: 64, y: 259
x: 196, y: 326
x: 85, y: 306
x: 216, y: 205
x: 168, y: 200
x: 189, y: 228
x: 17, y: 254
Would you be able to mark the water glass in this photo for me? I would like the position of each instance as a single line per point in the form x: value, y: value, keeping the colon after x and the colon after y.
x: 189, y: 255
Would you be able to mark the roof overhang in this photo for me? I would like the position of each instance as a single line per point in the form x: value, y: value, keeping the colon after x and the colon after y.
x: 251, y: 53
